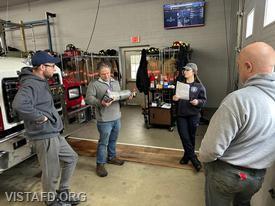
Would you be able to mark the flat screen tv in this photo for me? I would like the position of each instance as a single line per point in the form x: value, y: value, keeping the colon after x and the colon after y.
x: 180, y: 15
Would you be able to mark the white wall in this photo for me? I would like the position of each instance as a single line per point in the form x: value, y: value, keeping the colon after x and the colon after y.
x: 260, y: 33
x: 118, y: 20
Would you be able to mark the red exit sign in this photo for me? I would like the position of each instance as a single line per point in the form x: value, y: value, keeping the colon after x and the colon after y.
x: 135, y: 39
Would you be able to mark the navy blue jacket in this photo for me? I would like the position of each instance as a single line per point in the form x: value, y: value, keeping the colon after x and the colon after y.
x: 185, y: 108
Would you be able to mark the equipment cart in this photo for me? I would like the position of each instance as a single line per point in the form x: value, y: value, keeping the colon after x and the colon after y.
x: 160, y: 109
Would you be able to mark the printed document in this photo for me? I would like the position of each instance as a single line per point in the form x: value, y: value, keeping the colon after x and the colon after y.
x: 182, y: 90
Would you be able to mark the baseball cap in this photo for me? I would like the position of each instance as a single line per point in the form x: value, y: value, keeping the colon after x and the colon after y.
x: 192, y: 66
x: 43, y: 57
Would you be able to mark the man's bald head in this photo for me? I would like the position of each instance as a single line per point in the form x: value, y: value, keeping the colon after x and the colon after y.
x: 255, y: 58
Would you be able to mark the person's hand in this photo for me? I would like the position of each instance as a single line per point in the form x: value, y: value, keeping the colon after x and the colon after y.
x: 106, y: 104
x: 131, y: 96
x: 194, y: 102
x: 176, y: 98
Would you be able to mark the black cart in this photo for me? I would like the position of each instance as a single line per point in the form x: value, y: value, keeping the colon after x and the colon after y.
x: 159, y: 108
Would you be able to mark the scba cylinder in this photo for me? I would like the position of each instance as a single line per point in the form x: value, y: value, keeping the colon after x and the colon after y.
x: 121, y: 95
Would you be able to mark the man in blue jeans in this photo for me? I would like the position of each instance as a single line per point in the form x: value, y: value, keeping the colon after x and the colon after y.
x: 239, y: 143
x: 107, y: 115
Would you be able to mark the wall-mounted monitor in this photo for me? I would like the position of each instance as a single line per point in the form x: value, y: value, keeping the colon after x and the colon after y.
x: 180, y: 15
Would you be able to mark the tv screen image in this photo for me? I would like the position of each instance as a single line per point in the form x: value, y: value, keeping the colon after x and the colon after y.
x: 73, y: 93
x: 181, y: 15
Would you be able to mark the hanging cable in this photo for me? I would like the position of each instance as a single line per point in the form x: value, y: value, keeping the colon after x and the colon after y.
x: 7, y: 11
x: 92, y: 34
x: 29, y: 5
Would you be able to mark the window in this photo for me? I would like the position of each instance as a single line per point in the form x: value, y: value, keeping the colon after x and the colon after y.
x: 249, y: 23
x: 135, y: 59
x: 269, y: 16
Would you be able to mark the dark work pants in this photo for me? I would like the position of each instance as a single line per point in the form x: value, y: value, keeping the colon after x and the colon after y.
x: 229, y: 185
x: 187, y: 127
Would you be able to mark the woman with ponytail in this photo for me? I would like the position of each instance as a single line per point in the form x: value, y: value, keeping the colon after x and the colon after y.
x: 188, y: 114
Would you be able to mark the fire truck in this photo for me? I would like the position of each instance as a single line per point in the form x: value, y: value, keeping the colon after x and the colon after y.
x: 14, y: 146
x: 73, y: 79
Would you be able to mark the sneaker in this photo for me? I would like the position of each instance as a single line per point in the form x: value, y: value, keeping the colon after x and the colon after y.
x: 196, y: 163
x: 100, y: 170
x: 184, y: 160
x: 67, y: 197
x: 115, y: 161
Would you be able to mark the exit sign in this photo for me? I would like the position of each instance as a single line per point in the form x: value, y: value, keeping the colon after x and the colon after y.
x: 135, y: 39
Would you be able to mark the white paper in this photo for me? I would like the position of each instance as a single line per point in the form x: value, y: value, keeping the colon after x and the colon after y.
x: 166, y: 106
x: 182, y: 90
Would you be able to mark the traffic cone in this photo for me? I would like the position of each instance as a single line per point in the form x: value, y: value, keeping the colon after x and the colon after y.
x: 82, y: 102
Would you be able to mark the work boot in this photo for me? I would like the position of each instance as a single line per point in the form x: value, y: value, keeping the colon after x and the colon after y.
x: 100, y: 170
x: 196, y: 163
x: 67, y: 197
x: 115, y: 161
x: 184, y: 160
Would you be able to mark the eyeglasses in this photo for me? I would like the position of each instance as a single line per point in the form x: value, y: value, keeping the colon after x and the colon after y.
x: 49, y: 65
x: 187, y: 70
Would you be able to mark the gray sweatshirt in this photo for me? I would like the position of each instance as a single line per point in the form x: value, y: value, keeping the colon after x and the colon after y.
x: 33, y: 102
x: 242, y: 131
x: 94, y: 95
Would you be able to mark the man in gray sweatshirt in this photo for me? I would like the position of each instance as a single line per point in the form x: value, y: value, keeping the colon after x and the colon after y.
x: 34, y: 104
x: 107, y: 115
x: 239, y: 143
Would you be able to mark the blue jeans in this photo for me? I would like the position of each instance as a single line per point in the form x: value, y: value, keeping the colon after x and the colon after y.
x: 108, y: 132
x: 229, y: 185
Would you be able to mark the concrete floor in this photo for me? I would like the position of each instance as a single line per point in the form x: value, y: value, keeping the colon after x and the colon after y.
x: 132, y: 184
x: 133, y: 131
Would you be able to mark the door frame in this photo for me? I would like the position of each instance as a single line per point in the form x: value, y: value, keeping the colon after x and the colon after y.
x: 122, y: 61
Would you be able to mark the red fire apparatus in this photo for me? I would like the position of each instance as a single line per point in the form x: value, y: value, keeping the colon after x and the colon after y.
x: 75, y: 105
